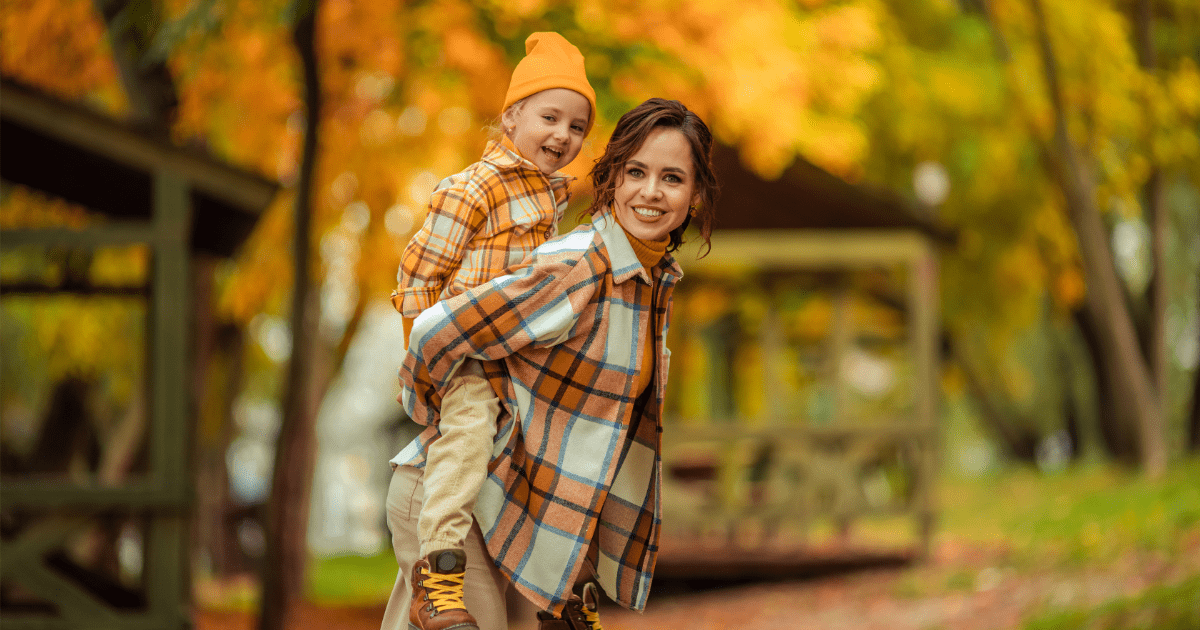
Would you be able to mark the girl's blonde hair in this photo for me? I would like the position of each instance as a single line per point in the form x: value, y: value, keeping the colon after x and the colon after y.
x: 495, y: 128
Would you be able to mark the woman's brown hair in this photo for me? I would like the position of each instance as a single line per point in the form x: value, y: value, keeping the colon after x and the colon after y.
x: 631, y: 132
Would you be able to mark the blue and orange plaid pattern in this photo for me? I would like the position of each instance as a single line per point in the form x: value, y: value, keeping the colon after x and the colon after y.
x: 479, y: 222
x: 575, y: 455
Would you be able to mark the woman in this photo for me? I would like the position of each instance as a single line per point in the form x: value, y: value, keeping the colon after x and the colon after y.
x: 574, y: 341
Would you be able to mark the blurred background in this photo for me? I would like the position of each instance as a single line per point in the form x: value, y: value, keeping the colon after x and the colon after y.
x: 938, y: 370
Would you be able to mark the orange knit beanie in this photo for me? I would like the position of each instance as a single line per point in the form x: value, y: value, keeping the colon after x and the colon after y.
x: 550, y: 62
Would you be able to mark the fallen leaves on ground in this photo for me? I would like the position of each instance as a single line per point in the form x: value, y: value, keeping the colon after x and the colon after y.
x: 962, y: 587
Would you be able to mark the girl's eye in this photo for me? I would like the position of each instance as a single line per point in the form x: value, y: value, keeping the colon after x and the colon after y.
x: 548, y: 117
x: 577, y: 128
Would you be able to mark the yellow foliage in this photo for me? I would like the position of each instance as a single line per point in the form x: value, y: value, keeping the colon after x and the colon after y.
x: 407, y: 88
x: 121, y: 266
x: 707, y: 303
x: 61, y: 48
x: 814, y: 320
x: 25, y: 208
x: 1069, y: 289
x: 1183, y: 85
x: 1020, y: 276
x: 750, y: 400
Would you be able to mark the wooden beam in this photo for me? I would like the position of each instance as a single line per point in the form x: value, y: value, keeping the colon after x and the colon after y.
x: 130, y: 233
x: 109, y: 138
x: 804, y: 249
x: 53, y: 495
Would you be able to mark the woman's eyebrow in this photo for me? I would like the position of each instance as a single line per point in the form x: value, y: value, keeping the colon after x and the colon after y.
x: 671, y: 169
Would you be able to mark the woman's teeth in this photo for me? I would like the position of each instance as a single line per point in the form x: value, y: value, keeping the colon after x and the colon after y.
x: 647, y: 212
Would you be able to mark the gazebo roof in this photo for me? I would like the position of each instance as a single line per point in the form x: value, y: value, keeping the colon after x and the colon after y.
x: 810, y: 198
x: 108, y: 166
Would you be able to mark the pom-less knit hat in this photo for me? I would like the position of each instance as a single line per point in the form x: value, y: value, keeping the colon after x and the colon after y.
x: 550, y: 62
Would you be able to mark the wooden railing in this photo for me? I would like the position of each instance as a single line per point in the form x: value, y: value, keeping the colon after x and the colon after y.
x: 754, y: 486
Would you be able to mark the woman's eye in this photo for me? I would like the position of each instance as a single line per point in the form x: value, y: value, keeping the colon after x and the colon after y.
x: 674, y: 179
x: 634, y: 172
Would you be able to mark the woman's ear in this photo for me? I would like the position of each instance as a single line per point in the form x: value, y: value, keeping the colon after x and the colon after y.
x: 695, y: 204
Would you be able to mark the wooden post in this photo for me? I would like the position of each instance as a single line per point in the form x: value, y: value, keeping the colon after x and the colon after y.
x: 170, y: 314
x: 923, y: 335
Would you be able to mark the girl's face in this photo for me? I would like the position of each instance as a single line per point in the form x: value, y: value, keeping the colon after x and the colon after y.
x: 548, y: 128
x: 656, y: 186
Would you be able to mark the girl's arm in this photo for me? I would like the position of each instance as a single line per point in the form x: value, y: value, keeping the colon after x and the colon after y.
x: 537, y: 305
x: 455, y: 215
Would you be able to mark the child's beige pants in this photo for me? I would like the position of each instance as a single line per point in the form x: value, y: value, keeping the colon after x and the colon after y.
x: 456, y: 462
x: 430, y: 509
x: 485, y: 586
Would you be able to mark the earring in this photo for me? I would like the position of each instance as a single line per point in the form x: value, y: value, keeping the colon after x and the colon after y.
x: 692, y: 210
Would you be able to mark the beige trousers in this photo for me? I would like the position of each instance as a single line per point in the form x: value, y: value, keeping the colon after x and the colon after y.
x: 456, y: 463
x: 485, y: 586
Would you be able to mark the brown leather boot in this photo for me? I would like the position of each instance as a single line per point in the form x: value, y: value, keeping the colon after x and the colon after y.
x: 437, y: 601
x: 581, y: 612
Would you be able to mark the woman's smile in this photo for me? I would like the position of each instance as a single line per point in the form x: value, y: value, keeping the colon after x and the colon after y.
x: 657, y: 186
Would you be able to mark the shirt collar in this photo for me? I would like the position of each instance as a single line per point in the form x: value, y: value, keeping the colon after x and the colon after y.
x: 503, y: 155
x: 625, y: 263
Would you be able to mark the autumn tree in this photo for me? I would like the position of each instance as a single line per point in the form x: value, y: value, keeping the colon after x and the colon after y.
x: 866, y: 90
x: 1040, y: 172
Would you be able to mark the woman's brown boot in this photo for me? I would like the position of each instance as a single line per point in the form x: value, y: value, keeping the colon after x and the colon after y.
x: 580, y: 613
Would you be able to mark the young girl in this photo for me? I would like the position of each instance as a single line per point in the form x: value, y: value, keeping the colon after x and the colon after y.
x: 480, y: 222
x: 573, y: 487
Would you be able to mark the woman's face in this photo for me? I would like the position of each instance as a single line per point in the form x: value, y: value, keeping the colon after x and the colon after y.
x: 656, y: 186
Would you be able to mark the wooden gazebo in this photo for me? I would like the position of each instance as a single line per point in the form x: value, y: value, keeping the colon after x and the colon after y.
x: 182, y: 206
x: 767, y: 444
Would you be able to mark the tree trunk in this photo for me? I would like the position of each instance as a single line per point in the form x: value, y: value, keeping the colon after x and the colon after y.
x: 1136, y: 400
x: 1193, y: 441
x: 1016, y: 436
x: 1193, y: 435
x: 287, y: 509
x: 216, y: 383
x: 1018, y: 440
x: 1114, y: 433
x: 1156, y: 217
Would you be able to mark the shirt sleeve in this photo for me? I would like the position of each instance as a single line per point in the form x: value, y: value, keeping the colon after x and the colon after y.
x: 537, y: 305
x: 455, y: 215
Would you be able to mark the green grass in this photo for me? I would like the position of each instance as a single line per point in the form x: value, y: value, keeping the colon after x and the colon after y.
x: 352, y: 580
x: 1175, y: 607
x: 1081, y: 516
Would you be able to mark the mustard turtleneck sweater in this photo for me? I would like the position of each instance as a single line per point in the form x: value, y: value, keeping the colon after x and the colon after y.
x: 649, y: 253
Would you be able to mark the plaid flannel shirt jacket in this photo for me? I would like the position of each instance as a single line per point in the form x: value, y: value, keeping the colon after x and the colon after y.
x: 575, y: 455
x: 480, y: 222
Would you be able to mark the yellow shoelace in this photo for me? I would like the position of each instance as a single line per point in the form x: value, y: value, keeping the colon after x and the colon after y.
x: 592, y: 617
x: 446, y: 592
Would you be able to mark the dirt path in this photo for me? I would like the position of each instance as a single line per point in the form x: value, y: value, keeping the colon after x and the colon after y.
x: 961, y: 588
